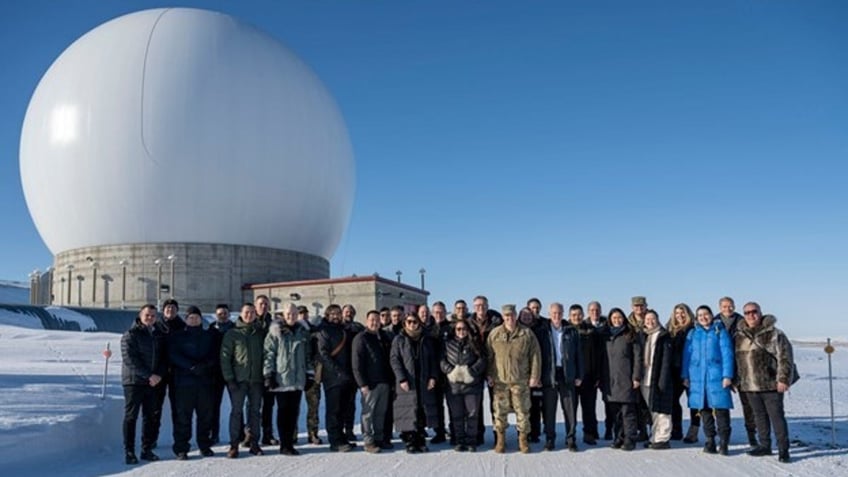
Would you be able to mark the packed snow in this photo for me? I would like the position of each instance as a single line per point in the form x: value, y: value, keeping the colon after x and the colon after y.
x: 53, y: 421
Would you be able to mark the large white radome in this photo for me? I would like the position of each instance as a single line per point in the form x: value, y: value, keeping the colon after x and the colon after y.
x: 183, y: 125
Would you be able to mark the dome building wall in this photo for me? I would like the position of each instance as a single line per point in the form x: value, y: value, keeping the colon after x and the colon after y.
x: 203, y: 274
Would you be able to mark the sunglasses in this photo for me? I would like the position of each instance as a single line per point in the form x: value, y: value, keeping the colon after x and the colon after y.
x: 751, y: 312
x: 412, y: 322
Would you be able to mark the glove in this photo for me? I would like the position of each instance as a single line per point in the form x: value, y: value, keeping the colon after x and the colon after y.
x: 310, y: 381
x: 232, y: 386
x: 270, y: 383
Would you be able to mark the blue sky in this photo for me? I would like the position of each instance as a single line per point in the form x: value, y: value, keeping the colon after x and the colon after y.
x: 566, y: 150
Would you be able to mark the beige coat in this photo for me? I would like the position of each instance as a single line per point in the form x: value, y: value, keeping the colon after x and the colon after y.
x: 514, y: 357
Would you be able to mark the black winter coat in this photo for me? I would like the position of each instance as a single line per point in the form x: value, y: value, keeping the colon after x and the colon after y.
x: 622, y: 366
x: 678, y: 342
x: 592, y: 349
x: 461, y: 352
x: 336, y: 369
x: 414, y: 362
x: 194, y: 356
x: 371, y: 359
x: 142, y: 354
x: 662, y: 374
x: 572, y: 356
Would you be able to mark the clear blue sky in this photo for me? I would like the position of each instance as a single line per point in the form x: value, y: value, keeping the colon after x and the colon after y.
x: 566, y: 150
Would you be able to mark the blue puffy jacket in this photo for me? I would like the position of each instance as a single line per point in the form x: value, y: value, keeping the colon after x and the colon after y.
x: 707, y: 359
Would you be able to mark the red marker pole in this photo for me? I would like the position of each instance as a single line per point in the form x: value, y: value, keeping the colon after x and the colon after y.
x: 107, y: 353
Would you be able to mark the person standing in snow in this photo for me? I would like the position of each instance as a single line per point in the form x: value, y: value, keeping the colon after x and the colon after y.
x: 708, y: 366
x: 193, y: 354
x: 141, y: 374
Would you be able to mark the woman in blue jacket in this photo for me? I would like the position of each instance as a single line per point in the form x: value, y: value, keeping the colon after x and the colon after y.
x: 707, y: 372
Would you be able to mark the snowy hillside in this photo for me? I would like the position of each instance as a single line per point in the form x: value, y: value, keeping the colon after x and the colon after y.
x: 53, y: 422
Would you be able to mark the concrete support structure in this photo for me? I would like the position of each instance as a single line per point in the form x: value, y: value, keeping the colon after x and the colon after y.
x: 196, y: 274
x: 364, y: 293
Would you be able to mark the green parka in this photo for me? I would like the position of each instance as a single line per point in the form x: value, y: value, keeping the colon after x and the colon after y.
x: 242, y: 353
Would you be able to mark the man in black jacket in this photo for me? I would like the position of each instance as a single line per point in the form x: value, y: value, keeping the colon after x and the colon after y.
x: 334, y: 353
x: 373, y: 376
x: 591, y: 348
x: 193, y: 354
x: 218, y: 329
x: 169, y: 323
x: 141, y: 374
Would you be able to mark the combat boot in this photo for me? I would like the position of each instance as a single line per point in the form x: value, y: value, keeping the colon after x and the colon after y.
x: 500, y: 442
x: 523, y: 444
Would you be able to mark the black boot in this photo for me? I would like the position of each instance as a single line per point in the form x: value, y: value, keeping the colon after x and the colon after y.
x: 752, y: 439
x: 130, y: 458
x: 710, y: 446
x: 783, y: 457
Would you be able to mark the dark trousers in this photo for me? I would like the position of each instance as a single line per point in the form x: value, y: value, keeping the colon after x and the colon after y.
x: 609, y: 419
x: 480, y: 426
x: 561, y: 393
x: 439, y: 393
x: 165, y: 387
x: 145, y: 399
x: 350, y: 416
x: 388, y: 427
x: 712, y: 418
x: 336, y: 410
x: 268, y: 399
x: 190, y: 400
x: 643, y: 417
x: 537, y: 403
x: 748, y: 413
x: 677, y: 411
x: 768, y: 412
x: 288, y: 411
x: 238, y: 393
x: 464, y: 414
x: 587, y: 396
x: 625, y: 421
x: 217, y: 397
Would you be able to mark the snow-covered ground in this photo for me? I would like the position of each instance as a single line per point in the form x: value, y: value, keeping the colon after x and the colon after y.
x: 54, y: 422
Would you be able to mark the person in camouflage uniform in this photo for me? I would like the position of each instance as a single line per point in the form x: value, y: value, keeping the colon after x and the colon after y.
x: 515, y: 363
x: 313, y: 382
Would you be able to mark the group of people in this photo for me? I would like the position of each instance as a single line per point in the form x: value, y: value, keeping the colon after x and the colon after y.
x: 407, y: 365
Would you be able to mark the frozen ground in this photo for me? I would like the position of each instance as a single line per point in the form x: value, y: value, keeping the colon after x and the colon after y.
x: 54, y: 422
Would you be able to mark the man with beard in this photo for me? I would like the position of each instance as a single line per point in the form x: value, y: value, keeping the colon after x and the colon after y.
x: 334, y: 353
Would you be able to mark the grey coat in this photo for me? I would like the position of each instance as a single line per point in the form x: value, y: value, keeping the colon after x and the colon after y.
x: 622, y: 366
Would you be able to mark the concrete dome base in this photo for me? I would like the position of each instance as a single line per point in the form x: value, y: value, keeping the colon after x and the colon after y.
x: 199, y: 274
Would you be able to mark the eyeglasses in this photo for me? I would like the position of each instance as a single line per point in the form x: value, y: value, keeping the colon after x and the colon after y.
x: 751, y: 312
x: 412, y: 322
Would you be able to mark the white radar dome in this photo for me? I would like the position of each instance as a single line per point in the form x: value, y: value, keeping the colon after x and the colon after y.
x: 185, y: 125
